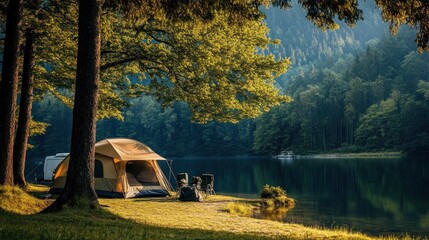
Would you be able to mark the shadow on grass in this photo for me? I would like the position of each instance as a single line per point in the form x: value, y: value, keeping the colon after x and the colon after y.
x: 155, y: 199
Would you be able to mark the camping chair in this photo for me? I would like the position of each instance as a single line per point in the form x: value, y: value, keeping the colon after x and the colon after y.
x: 207, y: 181
x: 182, y: 181
x: 196, y: 182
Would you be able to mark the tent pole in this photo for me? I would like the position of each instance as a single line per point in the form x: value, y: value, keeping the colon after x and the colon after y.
x: 170, y: 173
x: 169, y: 163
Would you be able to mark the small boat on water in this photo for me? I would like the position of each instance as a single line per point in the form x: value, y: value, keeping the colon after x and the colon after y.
x: 285, y: 155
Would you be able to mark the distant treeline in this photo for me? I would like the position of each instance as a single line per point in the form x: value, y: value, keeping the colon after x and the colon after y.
x: 168, y: 131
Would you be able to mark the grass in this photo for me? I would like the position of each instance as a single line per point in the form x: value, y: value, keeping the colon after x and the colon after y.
x: 240, y: 208
x: 146, y: 218
x: 16, y: 200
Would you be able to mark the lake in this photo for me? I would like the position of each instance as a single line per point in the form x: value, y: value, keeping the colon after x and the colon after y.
x: 374, y: 196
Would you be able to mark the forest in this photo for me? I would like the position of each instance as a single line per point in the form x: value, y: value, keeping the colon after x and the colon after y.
x: 199, y: 79
x: 353, y: 90
x: 376, y: 100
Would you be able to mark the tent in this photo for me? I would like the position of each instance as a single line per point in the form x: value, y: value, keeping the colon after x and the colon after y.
x: 123, y: 168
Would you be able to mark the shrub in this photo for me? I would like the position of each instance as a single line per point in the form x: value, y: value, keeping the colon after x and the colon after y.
x: 275, y: 197
x: 284, y: 201
x: 272, y: 192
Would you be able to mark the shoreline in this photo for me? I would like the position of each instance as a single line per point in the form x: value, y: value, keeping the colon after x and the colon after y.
x: 395, y: 155
x: 305, y: 156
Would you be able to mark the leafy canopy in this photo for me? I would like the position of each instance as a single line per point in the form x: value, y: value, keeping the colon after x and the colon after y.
x: 216, y: 67
x: 179, y: 47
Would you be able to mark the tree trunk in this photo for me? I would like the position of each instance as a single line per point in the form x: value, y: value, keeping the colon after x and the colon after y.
x: 21, y: 138
x: 79, y: 187
x: 8, y: 90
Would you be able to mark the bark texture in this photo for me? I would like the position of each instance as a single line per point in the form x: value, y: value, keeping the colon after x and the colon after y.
x: 8, y: 90
x: 25, y: 105
x: 79, y: 187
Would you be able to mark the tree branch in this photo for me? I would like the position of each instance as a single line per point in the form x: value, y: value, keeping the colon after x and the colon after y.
x: 117, y: 63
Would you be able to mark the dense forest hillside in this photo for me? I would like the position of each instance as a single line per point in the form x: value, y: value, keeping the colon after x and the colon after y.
x: 354, y: 90
x: 307, y: 45
x: 375, y: 100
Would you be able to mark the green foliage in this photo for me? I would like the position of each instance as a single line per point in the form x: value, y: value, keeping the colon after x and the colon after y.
x: 271, y: 140
x: 306, y: 45
x: 56, y: 62
x: 237, y: 11
x: 274, y: 198
x: 277, y: 205
x: 38, y: 128
x: 413, y: 13
x: 326, y: 111
x: 374, y: 102
x: 327, y: 103
x: 218, y: 75
x: 57, y: 137
x: 379, y: 127
x: 272, y: 192
x: 214, y: 66
x: 160, y: 50
x: 323, y: 14
x: 168, y: 131
x: 424, y: 89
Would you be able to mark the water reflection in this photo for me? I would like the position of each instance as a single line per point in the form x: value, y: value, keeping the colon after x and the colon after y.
x: 371, y: 195
x: 275, y: 214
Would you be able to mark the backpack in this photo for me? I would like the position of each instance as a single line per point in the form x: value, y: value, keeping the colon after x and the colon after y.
x: 189, y: 194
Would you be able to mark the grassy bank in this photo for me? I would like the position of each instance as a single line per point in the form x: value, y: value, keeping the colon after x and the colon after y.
x: 146, y: 218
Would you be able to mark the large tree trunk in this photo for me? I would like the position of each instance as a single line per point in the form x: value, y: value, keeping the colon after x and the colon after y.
x: 8, y: 90
x: 21, y: 138
x: 79, y: 187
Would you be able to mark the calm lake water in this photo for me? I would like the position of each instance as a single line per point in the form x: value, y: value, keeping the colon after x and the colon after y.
x: 375, y: 196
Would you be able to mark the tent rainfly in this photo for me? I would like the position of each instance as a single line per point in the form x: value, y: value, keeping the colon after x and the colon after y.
x: 123, y: 168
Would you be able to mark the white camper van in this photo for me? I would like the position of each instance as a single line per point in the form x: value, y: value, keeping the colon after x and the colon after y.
x: 51, y: 163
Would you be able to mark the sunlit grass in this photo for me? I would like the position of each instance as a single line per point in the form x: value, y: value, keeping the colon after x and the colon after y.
x: 147, y: 218
x: 37, y: 189
x: 210, y: 215
x: 16, y: 200
x: 240, y: 208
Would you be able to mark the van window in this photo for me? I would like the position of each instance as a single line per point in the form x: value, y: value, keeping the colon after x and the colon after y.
x: 98, y: 169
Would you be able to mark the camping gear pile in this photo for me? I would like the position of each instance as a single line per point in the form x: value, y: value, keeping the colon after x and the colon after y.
x: 199, y: 185
x: 128, y: 168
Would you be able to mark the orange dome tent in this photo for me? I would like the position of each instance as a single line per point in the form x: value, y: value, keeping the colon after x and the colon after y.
x: 123, y: 168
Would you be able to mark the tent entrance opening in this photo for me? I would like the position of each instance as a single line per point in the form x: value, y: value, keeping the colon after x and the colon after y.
x: 141, y: 173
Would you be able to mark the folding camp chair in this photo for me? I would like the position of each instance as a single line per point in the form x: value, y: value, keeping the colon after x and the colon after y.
x: 207, y: 182
x: 196, y: 182
x: 182, y: 181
